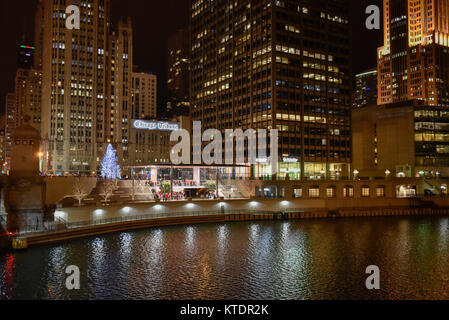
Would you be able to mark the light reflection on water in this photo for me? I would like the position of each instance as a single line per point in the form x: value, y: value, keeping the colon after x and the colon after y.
x: 323, y: 259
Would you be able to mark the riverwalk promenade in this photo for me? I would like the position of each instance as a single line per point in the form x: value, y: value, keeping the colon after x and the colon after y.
x: 79, y: 222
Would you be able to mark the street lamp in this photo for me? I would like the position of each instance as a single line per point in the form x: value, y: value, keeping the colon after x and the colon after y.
x: 41, y: 157
x: 356, y: 173
x: 387, y: 173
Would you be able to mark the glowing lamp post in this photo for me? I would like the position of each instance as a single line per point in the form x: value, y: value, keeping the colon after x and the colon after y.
x: 40, y: 155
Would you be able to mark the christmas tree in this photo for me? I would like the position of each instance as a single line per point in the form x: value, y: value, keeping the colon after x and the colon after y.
x: 110, y: 169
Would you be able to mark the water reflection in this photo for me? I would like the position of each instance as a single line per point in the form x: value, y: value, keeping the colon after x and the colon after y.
x: 222, y: 243
x: 7, y: 273
x: 190, y: 239
x: 268, y: 260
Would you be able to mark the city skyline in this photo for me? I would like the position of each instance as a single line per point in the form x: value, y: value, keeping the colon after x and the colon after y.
x: 276, y: 150
x: 150, y: 48
x: 148, y: 57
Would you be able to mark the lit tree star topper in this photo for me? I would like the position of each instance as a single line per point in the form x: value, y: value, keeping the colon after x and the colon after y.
x: 110, y: 169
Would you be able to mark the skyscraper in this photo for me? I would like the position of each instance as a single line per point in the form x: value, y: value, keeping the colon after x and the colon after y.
x: 10, y: 126
x: 27, y: 88
x: 144, y: 96
x: 178, y: 71
x: 87, y: 87
x: 2, y: 143
x: 28, y: 85
x: 119, y: 114
x: 413, y: 63
x: 282, y: 65
x: 74, y: 85
x: 25, y: 57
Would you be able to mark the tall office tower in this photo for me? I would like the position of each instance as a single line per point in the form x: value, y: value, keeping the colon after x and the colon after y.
x: 366, y: 88
x: 75, y: 85
x: 279, y: 65
x: 10, y: 126
x: 121, y: 65
x: 2, y: 143
x: 413, y: 63
x: 28, y: 85
x: 144, y: 96
x: 25, y: 58
x: 178, y: 82
x: 33, y: 107
x: 20, y: 91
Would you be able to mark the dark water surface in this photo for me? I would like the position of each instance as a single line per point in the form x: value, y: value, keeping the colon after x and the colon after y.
x: 320, y: 259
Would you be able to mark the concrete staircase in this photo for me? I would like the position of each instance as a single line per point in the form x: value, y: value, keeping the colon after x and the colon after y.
x: 122, y: 193
x: 429, y: 186
x: 229, y: 190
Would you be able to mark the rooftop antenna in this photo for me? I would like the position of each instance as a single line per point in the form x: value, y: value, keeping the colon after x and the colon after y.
x: 24, y: 29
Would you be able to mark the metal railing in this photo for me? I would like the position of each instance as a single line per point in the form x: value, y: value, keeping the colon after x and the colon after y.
x: 98, y: 222
x: 61, y: 225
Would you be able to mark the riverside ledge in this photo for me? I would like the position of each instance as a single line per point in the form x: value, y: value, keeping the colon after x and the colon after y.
x: 126, y: 217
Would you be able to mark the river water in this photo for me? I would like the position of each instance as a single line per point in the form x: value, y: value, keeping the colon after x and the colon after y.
x: 319, y: 259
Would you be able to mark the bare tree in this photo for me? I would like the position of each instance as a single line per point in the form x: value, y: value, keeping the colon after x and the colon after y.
x: 80, y: 190
x: 108, y: 190
x: 133, y: 190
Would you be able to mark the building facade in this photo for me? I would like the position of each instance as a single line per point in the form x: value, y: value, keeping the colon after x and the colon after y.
x: 74, y: 86
x: 90, y: 94
x: 9, y: 128
x: 404, y: 139
x: 2, y: 143
x: 277, y: 65
x: 144, y: 95
x: 413, y: 63
x: 365, y: 88
x: 119, y: 113
x: 150, y: 142
x: 28, y: 94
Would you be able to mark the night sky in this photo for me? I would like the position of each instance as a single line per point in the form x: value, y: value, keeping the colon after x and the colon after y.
x: 153, y: 22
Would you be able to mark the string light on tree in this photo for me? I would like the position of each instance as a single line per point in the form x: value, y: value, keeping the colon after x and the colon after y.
x: 110, y: 169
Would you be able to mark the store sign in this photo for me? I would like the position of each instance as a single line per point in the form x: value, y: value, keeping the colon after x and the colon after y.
x: 155, y: 125
x: 262, y: 160
x: 290, y: 160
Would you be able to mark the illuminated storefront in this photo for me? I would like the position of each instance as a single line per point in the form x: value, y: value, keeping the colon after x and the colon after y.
x: 291, y: 167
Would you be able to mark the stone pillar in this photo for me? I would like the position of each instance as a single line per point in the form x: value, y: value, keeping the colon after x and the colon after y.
x: 24, y: 191
x: 154, y: 175
x: 196, y: 175
x: 217, y: 183
x: 171, y: 182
